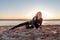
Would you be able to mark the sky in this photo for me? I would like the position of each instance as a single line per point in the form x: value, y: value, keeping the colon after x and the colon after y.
x: 26, y: 9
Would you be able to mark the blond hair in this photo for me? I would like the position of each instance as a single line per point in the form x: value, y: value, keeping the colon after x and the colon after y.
x: 38, y: 15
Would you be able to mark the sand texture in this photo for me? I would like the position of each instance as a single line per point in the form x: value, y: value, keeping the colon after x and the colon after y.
x: 48, y: 32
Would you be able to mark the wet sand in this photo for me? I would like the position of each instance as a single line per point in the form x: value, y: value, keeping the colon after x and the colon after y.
x: 48, y: 32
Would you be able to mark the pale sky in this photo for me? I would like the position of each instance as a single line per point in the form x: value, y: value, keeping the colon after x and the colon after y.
x: 21, y: 9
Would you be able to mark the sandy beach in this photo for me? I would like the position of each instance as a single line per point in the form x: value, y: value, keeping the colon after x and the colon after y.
x: 49, y: 32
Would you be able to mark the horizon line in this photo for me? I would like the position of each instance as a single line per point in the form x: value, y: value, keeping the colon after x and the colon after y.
x: 27, y: 19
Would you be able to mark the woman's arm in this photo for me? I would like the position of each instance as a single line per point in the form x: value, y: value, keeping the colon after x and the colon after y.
x: 40, y: 22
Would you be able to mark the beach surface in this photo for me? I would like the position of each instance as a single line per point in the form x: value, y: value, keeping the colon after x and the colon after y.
x: 48, y: 32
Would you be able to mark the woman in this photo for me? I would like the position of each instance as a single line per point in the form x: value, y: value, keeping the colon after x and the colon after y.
x: 34, y: 23
x: 37, y: 20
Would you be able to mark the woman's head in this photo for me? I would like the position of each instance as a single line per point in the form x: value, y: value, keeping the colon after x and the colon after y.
x: 38, y: 15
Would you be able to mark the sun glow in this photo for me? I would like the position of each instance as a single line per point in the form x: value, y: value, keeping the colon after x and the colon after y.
x: 45, y: 13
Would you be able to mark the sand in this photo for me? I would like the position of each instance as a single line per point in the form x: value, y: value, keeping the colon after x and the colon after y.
x: 48, y: 32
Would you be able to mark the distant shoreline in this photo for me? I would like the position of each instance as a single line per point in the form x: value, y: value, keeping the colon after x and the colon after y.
x: 28, y: 19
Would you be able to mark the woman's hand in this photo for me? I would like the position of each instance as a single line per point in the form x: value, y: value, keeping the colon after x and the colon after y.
x: 39, y: 28
x: 34, y: 28
x: 38, y: 24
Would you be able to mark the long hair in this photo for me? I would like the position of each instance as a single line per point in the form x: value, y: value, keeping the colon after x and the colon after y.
x: 38, y: 15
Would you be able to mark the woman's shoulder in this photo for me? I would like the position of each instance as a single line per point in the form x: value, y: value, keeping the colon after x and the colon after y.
x: 41, y: 19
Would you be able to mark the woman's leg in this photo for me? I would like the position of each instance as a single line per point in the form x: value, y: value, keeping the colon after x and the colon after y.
x: 25, y: 23
x: 29, y: 26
